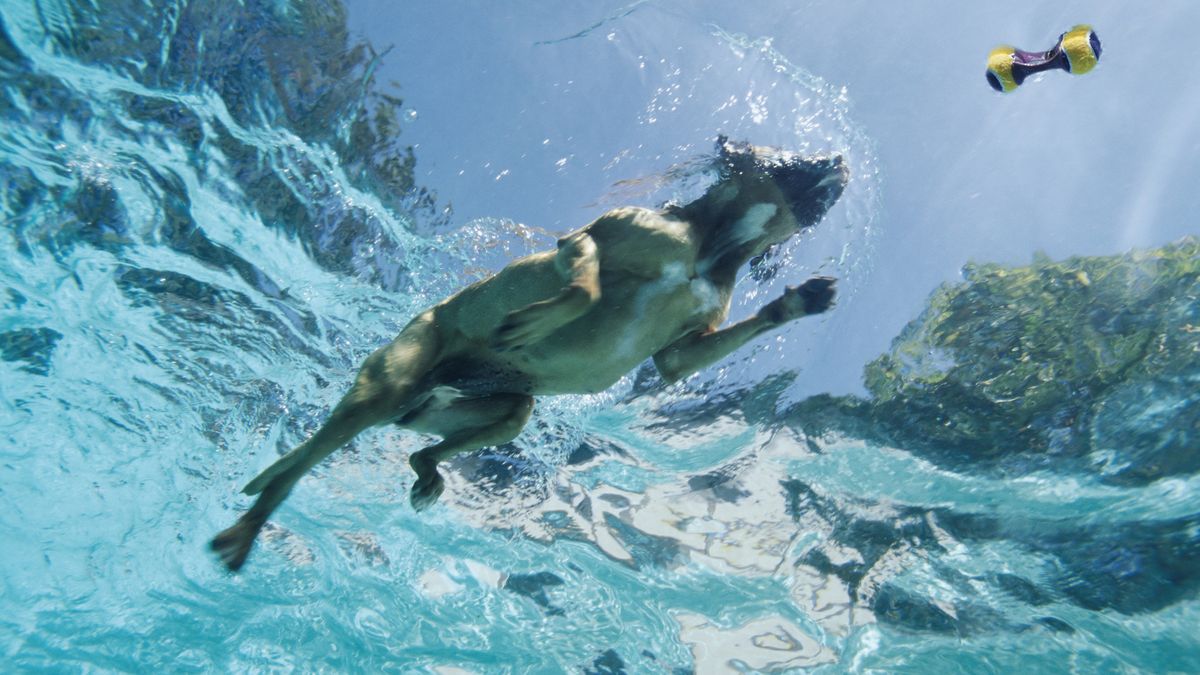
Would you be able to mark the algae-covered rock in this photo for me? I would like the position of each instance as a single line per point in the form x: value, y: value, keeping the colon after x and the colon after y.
x: 1092, y: 359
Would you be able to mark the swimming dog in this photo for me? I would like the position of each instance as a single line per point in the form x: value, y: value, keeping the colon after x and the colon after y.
x: 634, y: 284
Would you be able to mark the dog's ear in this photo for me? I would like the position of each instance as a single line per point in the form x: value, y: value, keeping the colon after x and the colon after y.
x: 732, y: 156
x: 727, y: 149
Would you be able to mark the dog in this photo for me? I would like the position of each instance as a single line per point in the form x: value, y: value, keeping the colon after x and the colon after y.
x: 635, y: 283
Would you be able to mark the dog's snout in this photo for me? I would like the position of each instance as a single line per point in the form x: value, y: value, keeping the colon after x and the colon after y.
x: 811, y: 185
x: 829, y: 172
x: 833, y: 175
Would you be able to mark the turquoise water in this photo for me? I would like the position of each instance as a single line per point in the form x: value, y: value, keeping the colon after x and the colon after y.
x: 214, y: 210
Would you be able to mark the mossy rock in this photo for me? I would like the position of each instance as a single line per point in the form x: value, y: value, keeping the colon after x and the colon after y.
x: 1013, y: 365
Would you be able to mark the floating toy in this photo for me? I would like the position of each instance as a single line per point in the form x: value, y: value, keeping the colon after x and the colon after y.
x: 1077, y: 52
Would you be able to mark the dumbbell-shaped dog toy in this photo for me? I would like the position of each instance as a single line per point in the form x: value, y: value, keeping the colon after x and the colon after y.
x: 1077, y: 52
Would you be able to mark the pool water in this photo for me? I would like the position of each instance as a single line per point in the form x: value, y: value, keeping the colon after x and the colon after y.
x: 983, y: 459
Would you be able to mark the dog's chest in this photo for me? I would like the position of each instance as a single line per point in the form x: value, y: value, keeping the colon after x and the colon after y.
x: 665, y: 306
x: 687, y: 295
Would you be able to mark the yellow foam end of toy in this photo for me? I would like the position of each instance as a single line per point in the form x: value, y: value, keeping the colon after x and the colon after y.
x: 1077, y: 45
x: 1000, y: 64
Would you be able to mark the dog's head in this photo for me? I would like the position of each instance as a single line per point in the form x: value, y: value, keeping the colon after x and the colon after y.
x: 808, y: 185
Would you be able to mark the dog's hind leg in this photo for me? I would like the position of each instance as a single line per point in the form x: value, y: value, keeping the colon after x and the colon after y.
x: 387, y: 387
x: 465, y: 424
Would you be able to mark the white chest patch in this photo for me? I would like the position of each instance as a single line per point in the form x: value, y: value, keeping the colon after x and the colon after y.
x: 707, y: 297
x: 673, y: 276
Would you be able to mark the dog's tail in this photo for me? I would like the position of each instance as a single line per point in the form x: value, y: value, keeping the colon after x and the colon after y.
x: 282, y: 464
x: 275, y: 483
x: 232, y: 545
x: 272, y: 486
x: 383, y: 391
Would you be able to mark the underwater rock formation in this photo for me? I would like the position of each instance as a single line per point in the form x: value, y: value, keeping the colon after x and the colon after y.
x: 1091, y: 363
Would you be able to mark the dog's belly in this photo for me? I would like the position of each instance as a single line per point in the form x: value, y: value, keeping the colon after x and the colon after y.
x: 480, y: 375
x: 632, y: 321
x: 634, y: 318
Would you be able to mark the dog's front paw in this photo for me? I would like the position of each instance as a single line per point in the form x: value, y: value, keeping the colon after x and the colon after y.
x: 818, y: 294
x: 811, y: 297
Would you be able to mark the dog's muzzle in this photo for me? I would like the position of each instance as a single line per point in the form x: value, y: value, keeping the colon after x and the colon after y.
x: 811, y: 185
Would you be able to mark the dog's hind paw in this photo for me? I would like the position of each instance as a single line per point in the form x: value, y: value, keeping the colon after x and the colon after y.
x: 425, y: 492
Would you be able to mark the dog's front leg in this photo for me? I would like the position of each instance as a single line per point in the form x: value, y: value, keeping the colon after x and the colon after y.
x: 695, y: 351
